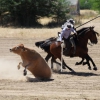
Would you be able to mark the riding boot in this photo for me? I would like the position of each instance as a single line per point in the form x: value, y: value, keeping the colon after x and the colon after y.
x: 73, y: 44
x: 67, y: 46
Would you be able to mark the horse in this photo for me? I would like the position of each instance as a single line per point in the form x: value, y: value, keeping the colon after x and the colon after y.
x: 84, y: 35
x: 45, y: 45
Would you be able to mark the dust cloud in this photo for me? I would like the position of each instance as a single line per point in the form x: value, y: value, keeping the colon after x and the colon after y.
x: 9, y: 70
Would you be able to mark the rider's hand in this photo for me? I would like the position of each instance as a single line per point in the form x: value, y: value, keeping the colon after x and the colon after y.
x: 75, y: 35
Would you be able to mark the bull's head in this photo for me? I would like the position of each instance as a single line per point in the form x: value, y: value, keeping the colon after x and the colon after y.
x: 18, y: 49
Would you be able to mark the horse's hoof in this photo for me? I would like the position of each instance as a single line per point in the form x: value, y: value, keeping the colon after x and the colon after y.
x: 84, y: 63
x: 51, y: 67
x: 73, y: 71
x: 77, y: 63
x: 25, y: 73
x: 95, y: 69
x: 64, y: 67
x: 60, y: 71
x: 89, y: 68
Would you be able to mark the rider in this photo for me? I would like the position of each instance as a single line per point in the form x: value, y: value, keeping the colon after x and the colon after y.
x: 65, y: 33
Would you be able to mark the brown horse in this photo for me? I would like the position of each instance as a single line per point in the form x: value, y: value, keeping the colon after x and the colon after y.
x: 45, y: 45
x: 81, y: 47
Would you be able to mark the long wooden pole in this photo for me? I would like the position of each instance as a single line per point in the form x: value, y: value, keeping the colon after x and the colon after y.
x: 88, y: 21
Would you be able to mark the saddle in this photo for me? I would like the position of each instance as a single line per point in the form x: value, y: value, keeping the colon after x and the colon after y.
x: 68, y: 45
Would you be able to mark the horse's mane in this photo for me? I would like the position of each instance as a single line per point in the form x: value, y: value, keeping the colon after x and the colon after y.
x: 85, y: 29
x: 82, y: 30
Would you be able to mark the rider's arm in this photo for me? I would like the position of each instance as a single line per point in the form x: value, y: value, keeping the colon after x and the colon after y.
x: 74, y: 31
x: 62, y: 34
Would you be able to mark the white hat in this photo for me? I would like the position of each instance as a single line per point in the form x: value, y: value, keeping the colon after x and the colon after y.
x: 71, y: 21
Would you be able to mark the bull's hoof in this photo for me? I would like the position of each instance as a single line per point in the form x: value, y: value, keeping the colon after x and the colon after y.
x: 95, y: 69
x: 25, y: 73
x: 18, y: 67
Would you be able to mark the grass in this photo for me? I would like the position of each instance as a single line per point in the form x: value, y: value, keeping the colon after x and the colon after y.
x: 29, y: 32
x: 85, y: 16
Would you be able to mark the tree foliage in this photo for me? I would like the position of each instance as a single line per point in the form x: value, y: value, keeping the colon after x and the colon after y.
x: 96, y: 5
x: 60, y: 9
x: 27, y: 12
x: 90, y: 4
x: 85, y: 4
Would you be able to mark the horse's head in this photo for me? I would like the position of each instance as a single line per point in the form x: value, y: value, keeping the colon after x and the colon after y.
x: 92, y: 35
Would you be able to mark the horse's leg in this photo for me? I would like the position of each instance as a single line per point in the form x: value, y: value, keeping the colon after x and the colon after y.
x: 55, y: 49
x: 68, y: 66
x: 53, y: 60
x: 48, y: 57
x: 79, y: 63
x: 84, y: 63
x: 89, y: 58
x: 87, y: 62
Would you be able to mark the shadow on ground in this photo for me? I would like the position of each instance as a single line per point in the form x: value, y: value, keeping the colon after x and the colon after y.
x: 86, y: 74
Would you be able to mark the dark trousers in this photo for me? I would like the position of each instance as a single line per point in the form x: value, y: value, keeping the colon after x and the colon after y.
x: 69, y: 43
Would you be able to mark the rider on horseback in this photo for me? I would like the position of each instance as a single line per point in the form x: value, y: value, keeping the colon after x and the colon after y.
x: 65, y: 33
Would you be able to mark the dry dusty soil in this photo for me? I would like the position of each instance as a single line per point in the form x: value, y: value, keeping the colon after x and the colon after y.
x: 83, y: 85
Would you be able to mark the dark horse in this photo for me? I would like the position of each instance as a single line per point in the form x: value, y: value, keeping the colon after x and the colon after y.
x: 81, y: 47
x: 54, y: 48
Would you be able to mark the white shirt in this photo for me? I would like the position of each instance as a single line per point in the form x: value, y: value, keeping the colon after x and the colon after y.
x: 66, y: 32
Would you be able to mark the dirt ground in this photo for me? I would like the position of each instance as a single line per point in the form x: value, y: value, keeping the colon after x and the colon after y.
x: 83, y: 85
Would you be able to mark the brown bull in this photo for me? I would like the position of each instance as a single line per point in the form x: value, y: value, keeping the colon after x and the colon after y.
x: 33, y: 62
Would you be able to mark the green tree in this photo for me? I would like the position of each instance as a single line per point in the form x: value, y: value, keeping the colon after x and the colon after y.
x: 85, y: 4
x: 96, y: 5
x: 27, y: 12
x: 90, y: 4
x: 60, y: 9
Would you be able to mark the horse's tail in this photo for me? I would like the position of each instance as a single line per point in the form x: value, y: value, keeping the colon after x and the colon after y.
x: 45, y: 45
x: 39, y: 43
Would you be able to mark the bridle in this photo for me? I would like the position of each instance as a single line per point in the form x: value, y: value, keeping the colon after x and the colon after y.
x: 85, y: 31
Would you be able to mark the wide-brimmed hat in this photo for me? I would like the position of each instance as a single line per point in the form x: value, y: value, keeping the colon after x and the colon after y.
x: 71, y: 21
